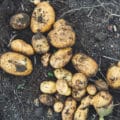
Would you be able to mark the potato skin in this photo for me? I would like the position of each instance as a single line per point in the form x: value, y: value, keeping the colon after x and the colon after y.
x: 85, y: 64
x: 42, y: 18
x: 58, y: 106
x: 48, y: 87
x: 61, y: 57
x: 21, y: 46
x: 69, y: 109
x: 16, y: 64
x: 91, y: 89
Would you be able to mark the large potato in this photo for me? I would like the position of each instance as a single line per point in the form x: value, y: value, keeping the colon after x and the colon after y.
x: 16, y: 64
x: 79, y: 81
x: 21, y: 46
x: 69, y: 109
x: 40, y: 43
x: 62, y: 35
x: 48, y: 87
x: 43, y: 17
x: 61, y: 57
x: 113, y: 76
x: 64, y: 74
x: 85, y: 64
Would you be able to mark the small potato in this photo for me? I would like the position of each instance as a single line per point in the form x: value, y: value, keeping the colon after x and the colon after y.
x: 79, y: 81
x: 20, y: 21
x: 61, y: 57
x: 45, y: 59
x: 113, y: 76
x: 35, y: 2
x: 40, y: 43
x: 85, y: 64
x: 62, y: 35
x: 64, y: 74
x: 62, y: 87
x: 91, y: 89
x: 58, y: 106
x: 47, y: 99
x: 21, y: 46
x: 69, y: 109
x: 78, y: 94
x: 16, y: 64
x: 48, y: 87
x: 42, y: 18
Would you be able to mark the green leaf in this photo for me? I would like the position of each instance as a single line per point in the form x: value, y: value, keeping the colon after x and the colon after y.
x: 50, y: 74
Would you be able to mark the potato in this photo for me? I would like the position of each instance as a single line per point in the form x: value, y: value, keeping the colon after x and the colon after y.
x: 20, y: 21
x: 21, y: 46
x: 42, y: 18
x: 35, y: 2
x: 62, y: 35
x: 64, y: 74
x: 47, y: 99
x: 45, y: 59
x: 48, y: 87
x: 85, y: 64
x: 69, y: 109
x: 78, y: 94
x: 40, y: 43
x: 58, y: 106
x: 62, y: 87
x: 91, y: 89
x: 61, y: 57
x: 113, y: 76
x: 79, y: 81
x: 16, y: 64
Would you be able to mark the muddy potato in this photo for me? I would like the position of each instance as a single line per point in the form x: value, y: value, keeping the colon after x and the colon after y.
x: 48, y: 87
x: 58, y: 106
x: 47, y: 99
x: 62, y: 35
x: 64, y: 74
x: 40, y: 43
x: 78, y: 94
x: 42, y: 18
x: 113, y: 76
x: 79, y: 81
x: 91, y: 89
x: 69, y: 109
x: 63, y: 88
x: 61, y: 57
x: 84, y: 64
x: 16, y: 64
x: 21, y: 46
x: 20, y: 21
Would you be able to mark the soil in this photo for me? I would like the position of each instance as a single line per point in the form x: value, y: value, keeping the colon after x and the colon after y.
x: 98, y: 35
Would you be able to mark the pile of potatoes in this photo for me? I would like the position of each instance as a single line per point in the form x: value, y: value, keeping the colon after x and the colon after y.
x: 71, y: 94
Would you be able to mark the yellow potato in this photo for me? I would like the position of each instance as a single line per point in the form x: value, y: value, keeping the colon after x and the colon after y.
x: 42, y: 18
x: 16, y: 64
x: 85, y: 64
x: 58, y: 106
x: 21, y: 46
x: 61, y: 57
x: 69, y: 109
x: 48, y: 87
x: 91, y: 89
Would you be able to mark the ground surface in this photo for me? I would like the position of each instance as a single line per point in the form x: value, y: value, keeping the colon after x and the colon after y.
x: 97, y: 24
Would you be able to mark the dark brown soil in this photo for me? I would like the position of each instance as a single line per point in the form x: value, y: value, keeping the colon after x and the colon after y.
x: 98, y: 35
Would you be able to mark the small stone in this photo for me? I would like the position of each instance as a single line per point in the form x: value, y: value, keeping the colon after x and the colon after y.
x: 114, y: 28
x: 36, y: 102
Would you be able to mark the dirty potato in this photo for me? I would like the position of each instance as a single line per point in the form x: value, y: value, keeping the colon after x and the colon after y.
x: 91, y: 89
x: 113, y: 76
x: 21, y: 46
x: 79, y: 81
x: 46, y: 99
x: 20, y: 21
x: 63, y: 88
x: 69, y: 109
x: 48, y: 87
x: 58, y: 106
x: 61, y: 57
x: 42, y: 18
x: 64, y: 74
x: 16, y: 64
x: 40, y: 43
x: 85, y: 64
x: 62, y: 35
